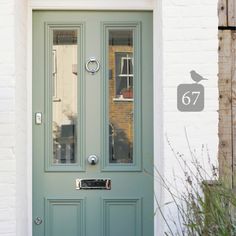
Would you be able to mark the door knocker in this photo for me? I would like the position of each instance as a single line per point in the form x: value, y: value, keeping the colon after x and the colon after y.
x: 92, y: 65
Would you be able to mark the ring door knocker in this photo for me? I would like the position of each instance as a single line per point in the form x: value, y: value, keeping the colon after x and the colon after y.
x: 92, y: 70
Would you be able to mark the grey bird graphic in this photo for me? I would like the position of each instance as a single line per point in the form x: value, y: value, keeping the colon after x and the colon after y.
x: 196, y: 77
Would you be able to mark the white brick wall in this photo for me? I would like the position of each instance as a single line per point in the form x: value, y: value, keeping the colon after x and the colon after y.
x: 7, y: 120
x: 21, y: 7
x: 190, y: 43
x: 13, y: 201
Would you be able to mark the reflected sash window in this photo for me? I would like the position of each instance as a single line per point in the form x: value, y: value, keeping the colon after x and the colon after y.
x: 121, y: 98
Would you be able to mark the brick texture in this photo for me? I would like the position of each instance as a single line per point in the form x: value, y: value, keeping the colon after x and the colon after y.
x: 13, y: 200
x: 7, y: 121
x: 190, y: 42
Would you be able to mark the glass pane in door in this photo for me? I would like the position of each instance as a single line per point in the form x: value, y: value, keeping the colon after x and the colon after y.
x: 121, y: 96
x: 64, y: 101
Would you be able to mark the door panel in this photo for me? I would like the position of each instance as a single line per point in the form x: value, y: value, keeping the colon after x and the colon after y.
x: 107, y: 113
x: 122, y: 217
x: 64, y: 217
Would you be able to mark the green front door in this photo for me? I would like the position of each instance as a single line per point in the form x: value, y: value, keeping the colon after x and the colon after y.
x: 92, y: 123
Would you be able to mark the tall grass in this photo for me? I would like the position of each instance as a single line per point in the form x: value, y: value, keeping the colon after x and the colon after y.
x: 205, y: 206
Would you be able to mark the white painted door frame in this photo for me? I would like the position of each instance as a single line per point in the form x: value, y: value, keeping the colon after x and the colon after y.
x: 156, y: 7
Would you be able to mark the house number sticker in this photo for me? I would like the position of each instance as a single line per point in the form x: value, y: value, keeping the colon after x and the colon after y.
x: 190, y: 97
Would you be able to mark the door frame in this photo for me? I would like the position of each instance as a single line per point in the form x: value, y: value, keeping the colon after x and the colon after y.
x: 156, y: 7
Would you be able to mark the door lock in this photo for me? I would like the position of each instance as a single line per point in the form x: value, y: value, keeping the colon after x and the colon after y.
x: 38, y: 221
x: 38, y: 118
x: 93, y: 159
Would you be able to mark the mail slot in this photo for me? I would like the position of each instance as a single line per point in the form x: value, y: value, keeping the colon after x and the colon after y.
x: 92, y: 184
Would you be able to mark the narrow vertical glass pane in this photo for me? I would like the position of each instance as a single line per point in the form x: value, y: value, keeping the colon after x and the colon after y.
x: 121, y: 99
x: 64, y: 101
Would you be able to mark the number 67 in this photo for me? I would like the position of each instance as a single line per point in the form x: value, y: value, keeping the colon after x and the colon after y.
x: 186, y: 98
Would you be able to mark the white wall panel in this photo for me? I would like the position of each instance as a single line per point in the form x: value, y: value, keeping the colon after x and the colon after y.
x: 93, y: 4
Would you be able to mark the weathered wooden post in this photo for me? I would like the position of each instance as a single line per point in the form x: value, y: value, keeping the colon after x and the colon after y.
x: 227, y: 92
x: 227, y: 95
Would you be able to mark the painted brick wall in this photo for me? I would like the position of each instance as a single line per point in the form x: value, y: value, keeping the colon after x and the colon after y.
x: 190, y: 43
x: 13, y: 207
x: 7, y: 120
x: 21, y: 122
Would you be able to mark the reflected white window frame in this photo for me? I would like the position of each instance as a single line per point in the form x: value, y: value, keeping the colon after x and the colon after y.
x: 125, y: 62
x: 54, y: 73
x: 128, y: 61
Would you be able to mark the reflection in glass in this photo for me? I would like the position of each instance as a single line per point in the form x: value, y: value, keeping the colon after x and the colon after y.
x: 121, y: 106
x: 64, y: 102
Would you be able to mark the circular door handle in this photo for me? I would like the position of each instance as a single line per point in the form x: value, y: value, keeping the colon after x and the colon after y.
x: 93, y: 159
x: 96, y: 68
x: 38, y: 221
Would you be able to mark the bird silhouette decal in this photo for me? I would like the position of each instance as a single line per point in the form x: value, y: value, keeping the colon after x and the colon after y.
x: 196, y: 77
